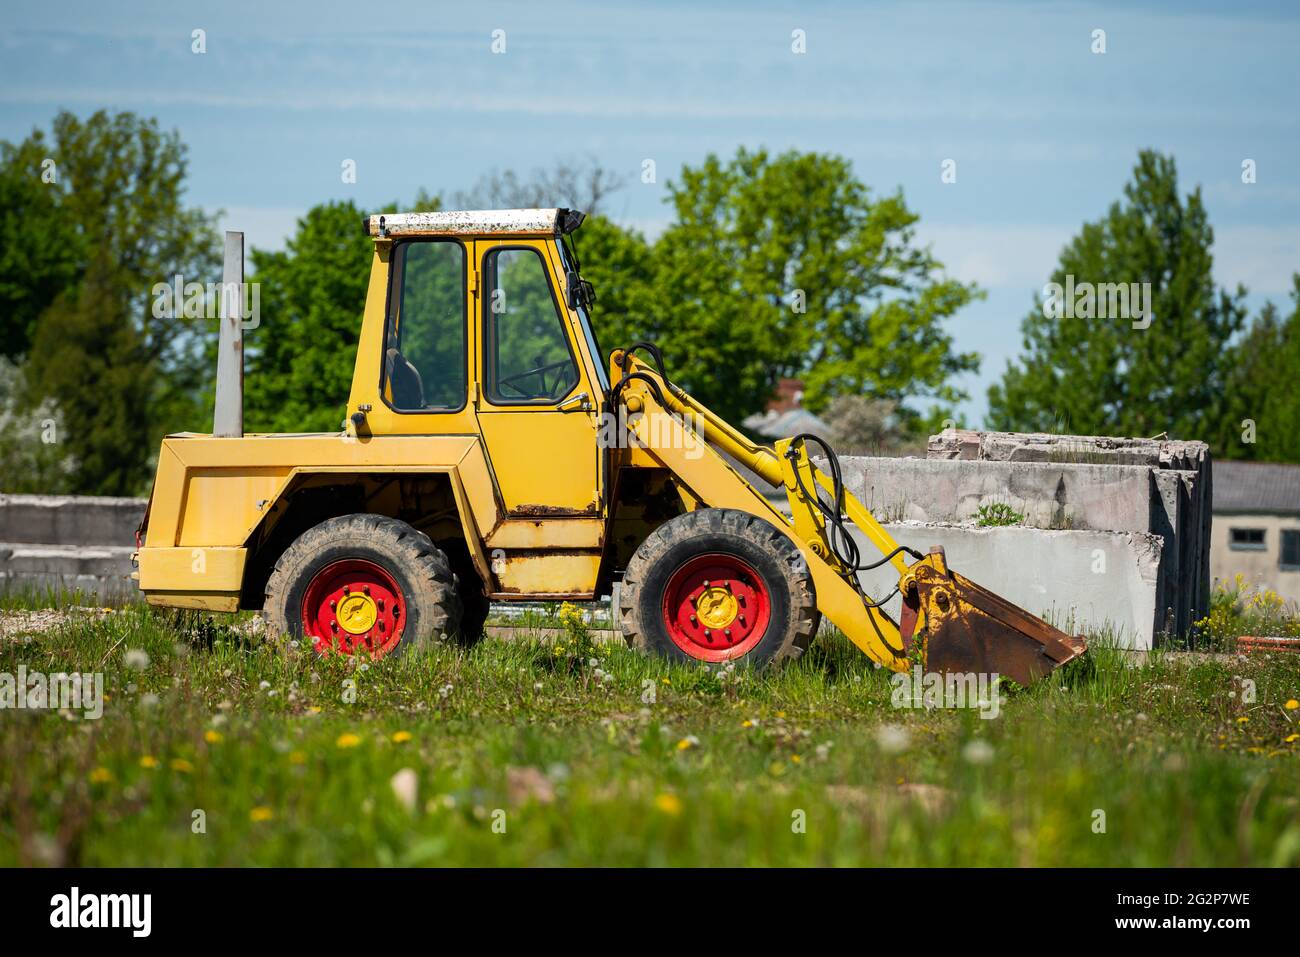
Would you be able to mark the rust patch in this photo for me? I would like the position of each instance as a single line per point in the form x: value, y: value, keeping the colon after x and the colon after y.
x: 969, y: 629
x: 546, y: 511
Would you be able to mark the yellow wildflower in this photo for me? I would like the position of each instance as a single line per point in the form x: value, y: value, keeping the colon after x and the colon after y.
x: 669, y: 804
x: 260, y: 813
x: 348, y: 740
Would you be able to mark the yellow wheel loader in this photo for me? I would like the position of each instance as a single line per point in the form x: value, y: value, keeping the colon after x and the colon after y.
x: 491, y: 452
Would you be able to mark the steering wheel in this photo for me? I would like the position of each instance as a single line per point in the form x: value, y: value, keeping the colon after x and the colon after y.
x: 557, y: 388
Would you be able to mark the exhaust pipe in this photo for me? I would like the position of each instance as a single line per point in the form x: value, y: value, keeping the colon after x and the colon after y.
x: 228, y: 411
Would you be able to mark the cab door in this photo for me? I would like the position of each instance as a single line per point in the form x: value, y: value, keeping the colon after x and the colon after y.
x: 537, y: 409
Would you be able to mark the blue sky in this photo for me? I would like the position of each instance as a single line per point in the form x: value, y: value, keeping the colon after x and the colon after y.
x: 1044, y: 132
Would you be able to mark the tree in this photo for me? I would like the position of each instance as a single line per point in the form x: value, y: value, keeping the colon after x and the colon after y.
x: 1262, y: 420
x: 40, y: 251
x: 313, y: 293
x: 121, y: 375
x: 571, y: 183
x: 1111, y: 376
x: 621, y: 265
x: 788, y: 267
x: 31, y: 459
x: 90, y: 357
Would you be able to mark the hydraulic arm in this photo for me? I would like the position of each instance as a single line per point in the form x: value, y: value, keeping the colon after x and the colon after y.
x: 947, y: 621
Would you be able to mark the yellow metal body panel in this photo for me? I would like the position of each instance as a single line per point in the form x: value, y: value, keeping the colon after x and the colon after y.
x: 212, y: 576
x: 535, y: 574
x: 544, y: 456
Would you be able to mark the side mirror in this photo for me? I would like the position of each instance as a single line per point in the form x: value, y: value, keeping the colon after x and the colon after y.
x: 573, y: 288
x: 578, y: 291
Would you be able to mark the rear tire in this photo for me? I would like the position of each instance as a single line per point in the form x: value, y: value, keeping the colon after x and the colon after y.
x: 474, y: 601
x: 719, y: 585
x: 363, y: 584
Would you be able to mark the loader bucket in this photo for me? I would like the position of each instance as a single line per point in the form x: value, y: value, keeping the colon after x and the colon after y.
x: 969, y: 629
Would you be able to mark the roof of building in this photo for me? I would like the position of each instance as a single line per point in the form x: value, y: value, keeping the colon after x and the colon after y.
x: 516, y: 222
x: 1271, y: 487
x: 783, y: 425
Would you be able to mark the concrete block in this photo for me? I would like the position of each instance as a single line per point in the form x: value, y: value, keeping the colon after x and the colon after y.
x: 101, y: 573
x: 1049, y: 495
x: 1083, y: 581
x: 69, y: 519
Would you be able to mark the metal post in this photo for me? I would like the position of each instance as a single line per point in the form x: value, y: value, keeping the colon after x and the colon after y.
x: 228, y: 413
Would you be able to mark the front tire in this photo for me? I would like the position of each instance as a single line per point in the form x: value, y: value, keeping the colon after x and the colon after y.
x: 363, y: 585
x: 719, y: 585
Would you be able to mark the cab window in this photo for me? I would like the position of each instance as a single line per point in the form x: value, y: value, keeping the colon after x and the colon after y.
x: 424, y: 345
x: 527, y: 354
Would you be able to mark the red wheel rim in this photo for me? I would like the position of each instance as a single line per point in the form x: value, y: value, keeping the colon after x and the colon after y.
x: 716, y: 607
x: 353, y: 607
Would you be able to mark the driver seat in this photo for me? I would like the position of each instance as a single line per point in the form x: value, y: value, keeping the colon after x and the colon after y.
x: 404, y: 381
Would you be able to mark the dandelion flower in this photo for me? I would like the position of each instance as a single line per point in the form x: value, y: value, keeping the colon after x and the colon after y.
x: 401, y: 737
x: 1292, y: 704
x: 181, y: 765
x: 348, y: 740
x: 260, y: 813
x: 669, y: 804
x: 148, y: 761
x: 893, y: 738
x: 977, y: 751
x: 137, y: 659
x: 212, y: 737
x: 101, y: 776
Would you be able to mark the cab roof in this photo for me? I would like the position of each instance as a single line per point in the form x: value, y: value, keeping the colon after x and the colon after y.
x: 475, y: 222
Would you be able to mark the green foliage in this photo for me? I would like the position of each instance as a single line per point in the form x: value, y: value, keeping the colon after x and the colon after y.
x: 995, y: 514
x: 1104, y: 377
x: 1237, y: 609
x: 31, y: 457
x: 118, y: 225
x: 620, y: 264
x: 786, y: 266
x: 1263, y: 404
x: 40, y: 250
x: 301, y: 356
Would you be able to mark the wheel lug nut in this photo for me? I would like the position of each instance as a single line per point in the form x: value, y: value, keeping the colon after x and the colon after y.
x: 727, y: 632
x: 706, y: 632
x: 366, y: 589
x: 692, y: 618
x: 333, y: 605
x: 334, y: 626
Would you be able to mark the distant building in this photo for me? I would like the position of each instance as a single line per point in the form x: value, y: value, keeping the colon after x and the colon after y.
x: 1256, y: 526
x: 785, y: 415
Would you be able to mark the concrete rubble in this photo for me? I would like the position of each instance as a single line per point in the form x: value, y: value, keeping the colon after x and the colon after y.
x: 69, y: 543
x: 1115, y: 534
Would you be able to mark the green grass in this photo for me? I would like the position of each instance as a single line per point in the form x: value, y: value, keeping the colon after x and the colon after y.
x: 717, y: 771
